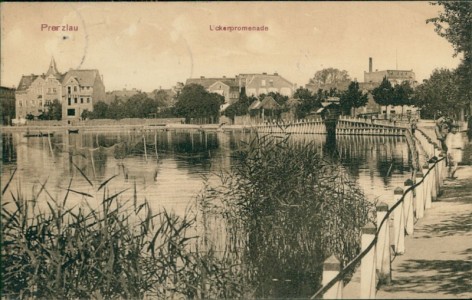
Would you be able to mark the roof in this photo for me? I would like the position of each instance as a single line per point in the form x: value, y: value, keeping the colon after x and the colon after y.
x: 269, y: 103
x: 253, y: 77
x: 255, y: 105
x: 26, y: 81
x: 84, y: 77
x: 207, y: 82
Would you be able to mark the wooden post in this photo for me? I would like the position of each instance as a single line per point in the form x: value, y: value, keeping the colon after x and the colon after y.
x: 383, y: 245
x: 434, y: 191
x: 331, y: 268
x: 427, y: 186
x: 419, y: 197
x: 398, y: 223
x: 408, y: 208
x: 368, y: 267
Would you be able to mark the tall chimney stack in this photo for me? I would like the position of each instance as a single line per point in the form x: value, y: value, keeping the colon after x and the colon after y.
x: 370, y: 64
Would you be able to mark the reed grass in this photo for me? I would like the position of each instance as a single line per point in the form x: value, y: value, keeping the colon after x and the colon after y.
x: 287, y: 209
x: 119, y: 249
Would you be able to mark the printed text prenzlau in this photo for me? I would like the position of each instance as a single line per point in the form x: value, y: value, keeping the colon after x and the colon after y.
x: 66, y: 27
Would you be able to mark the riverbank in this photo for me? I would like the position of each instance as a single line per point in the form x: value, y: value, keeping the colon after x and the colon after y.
x: 121, y: 127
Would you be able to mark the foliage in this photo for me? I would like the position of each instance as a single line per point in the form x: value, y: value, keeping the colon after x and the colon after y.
x: 329, y: 76
x: 352, y: 98
x: 30, y: 117
x: 439, y: 95
x: 53, y: 111
x: 137, y: 106
x: 383, y: 94
x: 195, y: 102
x: 291, y: 209
x: 455, y: 24
x: 240, y: 107
x: 402, y: 94
x: 116, y: 250
x: 279, y: 98
x: 308, y: 101
x: 7, y: 110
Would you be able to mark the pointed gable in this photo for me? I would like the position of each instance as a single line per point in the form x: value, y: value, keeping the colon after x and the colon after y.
x: 52, y: 70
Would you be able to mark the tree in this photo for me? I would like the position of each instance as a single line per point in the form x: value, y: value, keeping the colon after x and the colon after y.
x: 352, y: 98
x: 438, y: 95
x: 240, y: 107
x: 196, y: 102
x: 455, y: 25
x: 402, y: 94
x: 330, y: 76
x: 100, y: 110
x: 383, y: 94
x: 7, y: 109
x: 308, y: 102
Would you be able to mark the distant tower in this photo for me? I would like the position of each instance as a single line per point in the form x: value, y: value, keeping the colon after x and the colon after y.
x: 52, y: 68
x: 370, y: 64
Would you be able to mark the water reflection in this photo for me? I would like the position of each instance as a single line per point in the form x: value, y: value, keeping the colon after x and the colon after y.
x: 171, y: 165
x: 168, y: 167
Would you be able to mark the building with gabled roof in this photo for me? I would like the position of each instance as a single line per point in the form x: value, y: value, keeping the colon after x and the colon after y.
x: 76, y: 90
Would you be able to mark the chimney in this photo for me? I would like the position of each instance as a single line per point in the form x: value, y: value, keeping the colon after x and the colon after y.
x: 276, y: 74
x: 224, y: 77
x: 202, y: 77
x: 264, y: 73
x: 370, y: 64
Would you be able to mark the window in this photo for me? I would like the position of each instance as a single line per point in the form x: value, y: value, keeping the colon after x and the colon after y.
x: 263, y: 82
x: 81, y: 100
x: 68, y: 89
x: 69, y: 101
x: 392, y: 112
x: 75, y: 89
x: 75, y: 100
x: 54, y: 90
x: 88, y: 100
x: 271, y: 82
x: 71, y: 112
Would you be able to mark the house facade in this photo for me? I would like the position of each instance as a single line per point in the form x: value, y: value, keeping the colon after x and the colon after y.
x: 226, y: 88
x: 76, y: 90
x: 258, y: 84
x: 251, y: 84
x: 81, y: 89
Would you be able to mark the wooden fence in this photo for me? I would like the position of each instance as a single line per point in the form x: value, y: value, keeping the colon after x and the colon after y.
x: 410, y: 202
x: 345, y: 126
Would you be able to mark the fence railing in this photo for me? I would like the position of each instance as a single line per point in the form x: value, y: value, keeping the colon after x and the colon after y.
x: 345, y: 126
x: 409, y: 202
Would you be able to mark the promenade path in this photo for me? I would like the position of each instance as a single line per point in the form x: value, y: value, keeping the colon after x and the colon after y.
x: 438, y: 260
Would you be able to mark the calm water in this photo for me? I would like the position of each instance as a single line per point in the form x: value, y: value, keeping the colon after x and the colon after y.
x: 171, y: 174
x: 170, y: 170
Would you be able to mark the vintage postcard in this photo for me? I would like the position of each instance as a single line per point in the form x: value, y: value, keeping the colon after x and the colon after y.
x: 240, y: 150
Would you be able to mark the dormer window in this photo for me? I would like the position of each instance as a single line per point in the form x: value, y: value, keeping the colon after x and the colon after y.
x: 75, y: 88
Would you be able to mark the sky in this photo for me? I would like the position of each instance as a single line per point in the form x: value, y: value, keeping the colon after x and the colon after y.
x: 152, y: 45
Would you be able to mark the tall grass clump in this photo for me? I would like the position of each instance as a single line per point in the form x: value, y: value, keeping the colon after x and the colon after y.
x: 292, y: 209
x: 116, y: 249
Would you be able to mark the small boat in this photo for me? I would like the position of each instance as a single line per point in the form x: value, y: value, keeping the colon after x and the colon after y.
x: 38, y: 134
x: 73, y: 131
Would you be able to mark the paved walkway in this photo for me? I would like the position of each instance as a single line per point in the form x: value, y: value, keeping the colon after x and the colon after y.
x: 438, y: 258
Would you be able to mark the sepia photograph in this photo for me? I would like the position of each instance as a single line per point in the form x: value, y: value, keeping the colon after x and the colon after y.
x: 236, y: 150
